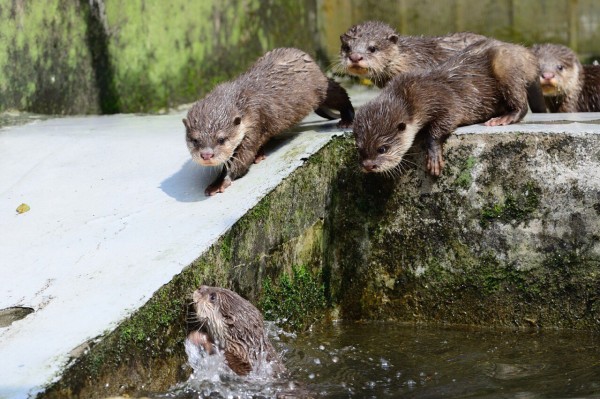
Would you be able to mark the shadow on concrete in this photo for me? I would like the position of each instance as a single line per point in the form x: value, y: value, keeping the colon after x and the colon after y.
x: 188, y: 184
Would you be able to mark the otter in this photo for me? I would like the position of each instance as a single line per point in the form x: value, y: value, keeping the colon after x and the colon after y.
x: 224, y: 321
x: 230, y: 125
x: 480, y: 84
x: 568, y: 86
x: 374, y: 50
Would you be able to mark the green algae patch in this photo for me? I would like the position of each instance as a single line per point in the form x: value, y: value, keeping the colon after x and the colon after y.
x: 464, y: 179
x: 516, y: 208
x: 78, y: 57
x: 296, y: 301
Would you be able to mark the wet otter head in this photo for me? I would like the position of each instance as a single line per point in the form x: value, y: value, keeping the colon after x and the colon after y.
x: 214, y: 128
x: 559, y: 69
x: 227, y: 322
x: 367, y: 49
x: 384, y: 130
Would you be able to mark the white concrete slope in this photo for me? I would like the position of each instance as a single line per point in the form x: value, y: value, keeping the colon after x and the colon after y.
x: 117, y: 209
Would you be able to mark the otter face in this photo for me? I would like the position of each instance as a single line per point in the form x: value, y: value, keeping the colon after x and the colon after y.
x: 559, y: 69
x: 213, y: 131
x: 363, y: 46
x: 384, y: 131
x: 207, y: 305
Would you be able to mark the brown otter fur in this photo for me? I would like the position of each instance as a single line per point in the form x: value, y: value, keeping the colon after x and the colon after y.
x: 478, y: 85
x: 231, y: 124
x: 224, y: 321
x: 374, y: 50
x: 568, y: 86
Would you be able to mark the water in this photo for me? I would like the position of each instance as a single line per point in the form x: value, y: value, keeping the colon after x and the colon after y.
x: 389, y: 360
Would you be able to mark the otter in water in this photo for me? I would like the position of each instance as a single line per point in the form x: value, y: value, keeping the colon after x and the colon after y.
x: 568, y: 85
x: 224, y: 321
x: 231, y: 124
x: 374, y: 50
x: 481, y: 84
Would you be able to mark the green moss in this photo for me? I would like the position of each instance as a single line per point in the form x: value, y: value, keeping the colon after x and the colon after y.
x: 295, y: 301
x: 464, y: 179
x: 516, y: 208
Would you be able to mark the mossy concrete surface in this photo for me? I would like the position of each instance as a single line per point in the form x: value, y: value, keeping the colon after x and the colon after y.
x: 106, y: 56
x: 507, y: 237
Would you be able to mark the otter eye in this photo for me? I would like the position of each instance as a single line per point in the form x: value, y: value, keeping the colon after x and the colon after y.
x: 345, y: 48
x: 212, y: 297
x: 382, y: 149
x: 195, y: 142
x: 560, y: 67
x: 221, y: 140
x: 371, y: 49
x: 237, y: 120
x: 401, y: 126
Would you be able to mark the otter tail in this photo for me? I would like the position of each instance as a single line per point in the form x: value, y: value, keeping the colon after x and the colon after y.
x: 327, y: 113
x: 535, y: 97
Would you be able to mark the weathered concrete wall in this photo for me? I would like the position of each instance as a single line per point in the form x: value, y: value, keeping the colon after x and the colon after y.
x: 507, y: 236
x: 107, y: 56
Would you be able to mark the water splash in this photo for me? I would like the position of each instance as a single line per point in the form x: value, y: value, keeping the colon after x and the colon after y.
x: 212, y: 378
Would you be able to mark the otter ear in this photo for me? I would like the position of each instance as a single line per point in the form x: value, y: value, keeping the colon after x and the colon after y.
x: 237, y: 120
x: 186, y: 123
x: 393, y: 38
x: 401, y: 126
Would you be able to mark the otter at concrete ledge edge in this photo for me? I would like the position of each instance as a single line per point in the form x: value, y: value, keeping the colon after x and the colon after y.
x: 479, y: 85
x: 376, y: 51
x: 231, y: 124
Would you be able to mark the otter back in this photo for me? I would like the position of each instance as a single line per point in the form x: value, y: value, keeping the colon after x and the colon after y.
x: 478, y: 85
x: 232, y: 123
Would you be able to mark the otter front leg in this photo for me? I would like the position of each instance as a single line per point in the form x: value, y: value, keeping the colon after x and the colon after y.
x: 220, y: 183
x: 435, y: 159
x: 436, y: 134
x: 237, y: 166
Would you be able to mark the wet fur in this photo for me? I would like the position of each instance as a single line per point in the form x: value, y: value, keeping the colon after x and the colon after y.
x: 395, y: 54
x: 478, y: 85
x: 225, y: 321
x: 573, y: 87
x: 276, y: 93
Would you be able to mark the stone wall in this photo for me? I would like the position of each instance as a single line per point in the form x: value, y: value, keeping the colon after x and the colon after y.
x: 109, y: 56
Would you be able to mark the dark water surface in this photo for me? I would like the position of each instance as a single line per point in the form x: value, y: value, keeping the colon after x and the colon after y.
x: 389, y: 360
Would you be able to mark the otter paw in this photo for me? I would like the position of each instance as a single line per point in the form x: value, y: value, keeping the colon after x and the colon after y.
x: 435, y: 163
x: 218, y: 186
x: 342, y: 124
x: 260, y: 155
x: 502, y: 120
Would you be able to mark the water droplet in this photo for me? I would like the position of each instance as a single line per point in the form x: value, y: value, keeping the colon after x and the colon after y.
x: 384, y: 364
x: 317, y: 360
x: 411, y: 383
x: 311, y: 376
x: 335, y: 359
x: 322, y: 347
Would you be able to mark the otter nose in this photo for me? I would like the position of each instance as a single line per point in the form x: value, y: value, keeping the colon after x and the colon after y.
x: 207, y: 154
x: 354, y: 57
x: 547, y: 75
x: 369, y: 165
